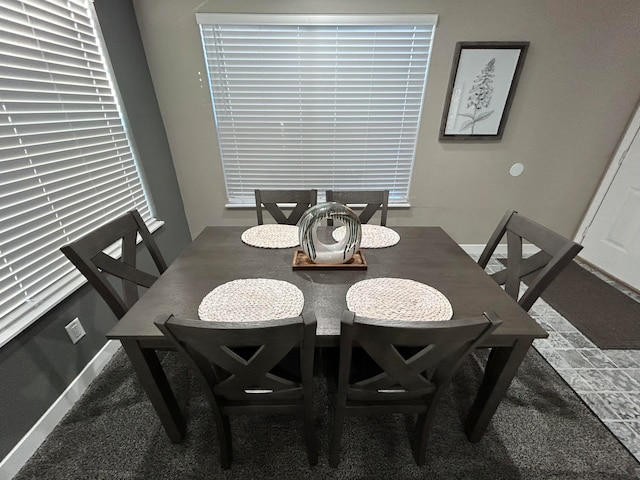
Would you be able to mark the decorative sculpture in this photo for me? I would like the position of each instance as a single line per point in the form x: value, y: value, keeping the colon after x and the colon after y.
x: 329, y: 253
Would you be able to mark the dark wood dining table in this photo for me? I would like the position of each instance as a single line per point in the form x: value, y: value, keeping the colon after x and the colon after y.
x: 424, y: 254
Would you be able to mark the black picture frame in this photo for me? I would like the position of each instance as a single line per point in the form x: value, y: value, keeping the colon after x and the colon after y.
x: 483, y: 81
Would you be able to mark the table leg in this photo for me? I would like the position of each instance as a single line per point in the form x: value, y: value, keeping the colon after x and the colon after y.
x: 502, y: 365
x: 154, y: 381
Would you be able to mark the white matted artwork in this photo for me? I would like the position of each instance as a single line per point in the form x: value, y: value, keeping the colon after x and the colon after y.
x: 481, y: 88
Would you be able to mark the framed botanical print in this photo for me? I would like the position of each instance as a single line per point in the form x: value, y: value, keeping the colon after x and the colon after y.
x: 483, y: 81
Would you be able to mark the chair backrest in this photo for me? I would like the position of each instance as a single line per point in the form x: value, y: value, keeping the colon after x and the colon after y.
x: 235, y: 361
x: 303, y: 199
x: 412, y: 364
x: 413, y: 373
x: 556, y: 252
x: 87, y: 255
x: 373, y: 200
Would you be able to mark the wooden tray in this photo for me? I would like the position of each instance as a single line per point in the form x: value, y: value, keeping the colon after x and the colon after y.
x: 301, y: 260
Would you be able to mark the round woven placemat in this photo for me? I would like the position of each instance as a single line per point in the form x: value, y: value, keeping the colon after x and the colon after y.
x: 398, y: 299
x: 251, y: 299
x: 271, y: 236
x: 373, y: 236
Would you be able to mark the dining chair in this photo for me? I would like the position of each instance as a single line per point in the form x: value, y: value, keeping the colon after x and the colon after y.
x: 373, y: 200
x: 555, y: 253
x: 89, y: 258
x: 270, y: 199
x: 407, y: 380
x: 237, y: 382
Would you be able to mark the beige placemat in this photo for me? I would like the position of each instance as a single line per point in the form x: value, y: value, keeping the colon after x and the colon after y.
x: 373, y: 236
x: 398, y: 299
x: 251, y: 299
x: 271, y: 236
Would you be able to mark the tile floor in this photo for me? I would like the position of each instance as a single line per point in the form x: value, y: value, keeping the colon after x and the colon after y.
x: 608, y: 381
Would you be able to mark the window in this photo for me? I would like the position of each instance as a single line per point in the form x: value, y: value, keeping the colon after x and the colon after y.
x: 66, y: 161
x: 326, y: 102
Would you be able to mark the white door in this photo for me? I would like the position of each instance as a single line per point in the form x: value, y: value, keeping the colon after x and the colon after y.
x: 610, y: 232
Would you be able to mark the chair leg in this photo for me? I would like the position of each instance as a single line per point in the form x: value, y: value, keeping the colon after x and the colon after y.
x: 423, y: 429
x: 310, y: 437
x: 223, y: 428
x: 310, y: 441
x: 336, y: 438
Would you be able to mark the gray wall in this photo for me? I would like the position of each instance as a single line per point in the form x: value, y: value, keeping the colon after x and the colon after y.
x: 37, y: 366
x: 577, y: 91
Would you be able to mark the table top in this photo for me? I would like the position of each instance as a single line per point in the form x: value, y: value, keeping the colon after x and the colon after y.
x: 424, y: 254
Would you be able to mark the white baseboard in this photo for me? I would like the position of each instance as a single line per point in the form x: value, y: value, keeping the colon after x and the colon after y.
x: 27, y: 446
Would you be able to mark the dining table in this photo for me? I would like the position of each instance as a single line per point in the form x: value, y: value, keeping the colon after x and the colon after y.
x: 425, y: 254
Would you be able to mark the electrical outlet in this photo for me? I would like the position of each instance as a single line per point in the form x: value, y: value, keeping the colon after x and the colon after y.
x: 74, y: 330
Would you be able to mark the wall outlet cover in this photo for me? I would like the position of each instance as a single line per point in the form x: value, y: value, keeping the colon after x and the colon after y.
x: 75, y: 330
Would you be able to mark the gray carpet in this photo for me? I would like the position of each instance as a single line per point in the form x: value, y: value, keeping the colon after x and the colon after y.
x: 540, y: 431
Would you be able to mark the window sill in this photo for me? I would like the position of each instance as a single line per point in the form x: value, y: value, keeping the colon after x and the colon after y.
x: 244, y: 206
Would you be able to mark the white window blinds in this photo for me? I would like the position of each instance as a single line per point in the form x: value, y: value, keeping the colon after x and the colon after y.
x: 66, y: 162
x: 316, y: 101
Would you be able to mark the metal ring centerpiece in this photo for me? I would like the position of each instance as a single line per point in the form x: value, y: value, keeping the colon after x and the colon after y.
x: 335, y: 252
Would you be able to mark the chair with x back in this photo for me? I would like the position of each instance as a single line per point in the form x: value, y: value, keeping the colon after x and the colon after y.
x: 270, y: 199
x: 408, y: 380
x: 87, y: 255
x: 373, y: 200
x: 236, y: 364
x: 555, y: 253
